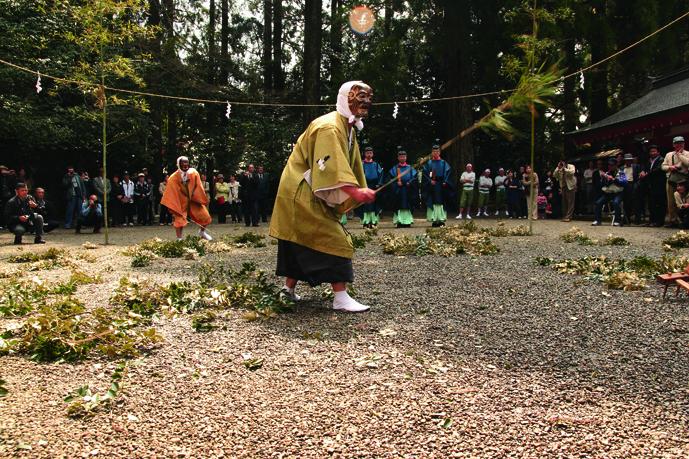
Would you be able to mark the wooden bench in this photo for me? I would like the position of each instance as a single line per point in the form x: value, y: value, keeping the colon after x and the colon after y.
x: 673, y: 279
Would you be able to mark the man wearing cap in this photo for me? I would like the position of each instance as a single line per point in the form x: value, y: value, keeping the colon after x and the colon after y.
x: 653, y: 179
x: 374, y: 179
x: 142, y: 193
x: 566, y: 176
x: 612, y: 183
x: 485, y: 183
x: 467, y: 181
x: 404, y: 190
x: 500, y: 193
x: 437, y: 186
x: 676, y: 168
x: 631, y: 202
x: 128, y: 206
x: 186, y: 199
x: 21, y: 216
x: 324, y: 177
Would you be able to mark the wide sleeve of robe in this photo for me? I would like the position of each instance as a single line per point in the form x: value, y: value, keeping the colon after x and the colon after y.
x: 330, y: 168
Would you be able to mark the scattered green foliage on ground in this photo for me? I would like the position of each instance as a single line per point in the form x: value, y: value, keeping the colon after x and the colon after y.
x: 575, y: 234
x: 203, y: 321
x: 174, y: 249
x: 247, y: 239
x: 446, y: 242
x: 81, y: 278
x: 466, y: 238
x: 359, y: 241
x: 500, y: 230
x: 188, y: 248
x: 84, y: 403
x: 64, y: 330
x: 218, y: 287
x: 679, y: 240
x: 32, y: 257
x: 619, y: 274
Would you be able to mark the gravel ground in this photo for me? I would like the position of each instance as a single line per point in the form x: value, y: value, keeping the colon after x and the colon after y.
x: 469, y: 357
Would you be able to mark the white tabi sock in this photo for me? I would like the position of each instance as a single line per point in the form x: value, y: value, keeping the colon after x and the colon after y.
x: 291, y: 293
x: 203, y: 234
x: 344, y: 302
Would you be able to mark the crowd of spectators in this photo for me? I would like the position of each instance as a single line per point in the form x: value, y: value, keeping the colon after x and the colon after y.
x: 653, y: 193
x: 132, y: 199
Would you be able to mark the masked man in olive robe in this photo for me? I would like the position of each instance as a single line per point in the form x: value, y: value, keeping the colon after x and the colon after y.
x: 324, y: 177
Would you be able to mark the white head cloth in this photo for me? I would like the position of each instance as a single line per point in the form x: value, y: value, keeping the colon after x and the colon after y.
x: 343, y: 103
x: 185, y: 174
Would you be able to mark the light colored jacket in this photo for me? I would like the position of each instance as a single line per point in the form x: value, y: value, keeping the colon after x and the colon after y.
x: 680, y: 159
x: 680, y: 201
x: 566, y: 176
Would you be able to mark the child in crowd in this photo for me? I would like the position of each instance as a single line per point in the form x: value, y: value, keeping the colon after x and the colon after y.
x: 542, y: 203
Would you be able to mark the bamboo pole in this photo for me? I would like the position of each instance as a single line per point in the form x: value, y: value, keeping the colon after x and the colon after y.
x: 104, y: 102
x: 532, y: 62
x: 105, y: 162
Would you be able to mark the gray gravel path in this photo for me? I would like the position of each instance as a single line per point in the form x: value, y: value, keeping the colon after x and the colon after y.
x: 459, y: 357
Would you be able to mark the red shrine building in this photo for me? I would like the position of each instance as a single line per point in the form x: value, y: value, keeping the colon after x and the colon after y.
x: 655, y: 118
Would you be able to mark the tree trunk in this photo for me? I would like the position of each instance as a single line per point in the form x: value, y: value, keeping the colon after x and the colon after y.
x: 170, y: 57
x: 211, y: 42
x: 336, y: 77
x: 267, y: 48
x: 571, y: 114
x: 457, y: 38
x: 156, y: 125
x: 389, y: 13
x: 598, y: 90
x: 224, y: 40
x: 312, y: 55
x: 278, y: 75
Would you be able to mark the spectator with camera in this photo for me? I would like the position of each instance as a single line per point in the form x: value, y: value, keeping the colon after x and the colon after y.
x: 21, y: 215
x: 91, y: 214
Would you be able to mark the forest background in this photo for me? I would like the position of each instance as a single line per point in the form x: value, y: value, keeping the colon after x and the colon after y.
x: 300, y: 52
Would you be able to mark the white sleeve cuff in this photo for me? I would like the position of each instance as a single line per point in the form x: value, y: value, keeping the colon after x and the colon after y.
x: 333, y: 195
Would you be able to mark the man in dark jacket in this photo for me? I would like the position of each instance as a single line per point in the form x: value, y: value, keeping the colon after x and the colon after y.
x: 142, y: 198
x: 264, y: 206
x: 7, y: 182
x: 653, y: 179
x: 21, y: 216
x: 631, y: 200
x: 248, y: 190
x: 46, y: 210
x: 75, y: 192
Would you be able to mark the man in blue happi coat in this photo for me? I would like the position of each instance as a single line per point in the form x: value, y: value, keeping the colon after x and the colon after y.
x: 437, y: 187
x: 404, y: 190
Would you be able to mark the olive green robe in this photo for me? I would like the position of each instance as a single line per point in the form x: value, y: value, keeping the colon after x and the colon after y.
x: 309, y: 215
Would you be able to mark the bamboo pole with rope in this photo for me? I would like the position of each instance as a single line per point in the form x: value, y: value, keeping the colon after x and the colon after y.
x: 532, y: 63
x: 104, y: 122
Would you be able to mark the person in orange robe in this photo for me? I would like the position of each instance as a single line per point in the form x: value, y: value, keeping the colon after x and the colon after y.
x: 186, y: 198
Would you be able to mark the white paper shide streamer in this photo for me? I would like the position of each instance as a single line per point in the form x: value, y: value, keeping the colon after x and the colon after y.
x: 39, y: 88
x: 228, y: 111
x: 395, y: 111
